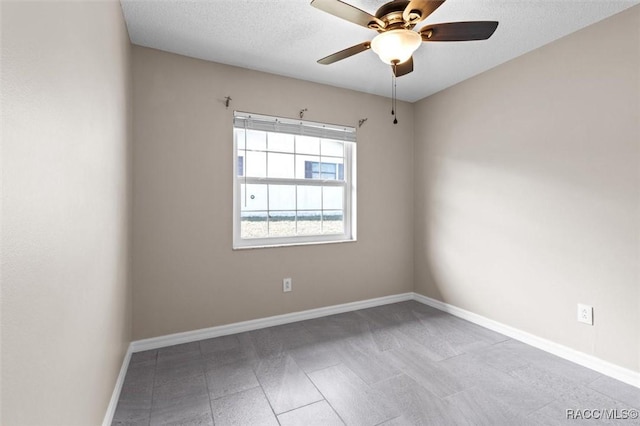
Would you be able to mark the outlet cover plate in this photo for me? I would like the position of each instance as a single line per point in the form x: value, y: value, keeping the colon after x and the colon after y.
x: 286, y: 285
x: 585, y: 314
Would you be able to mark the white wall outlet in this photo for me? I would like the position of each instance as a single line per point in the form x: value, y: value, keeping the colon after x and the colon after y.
x: 585, y: 314
x: 286, y: 284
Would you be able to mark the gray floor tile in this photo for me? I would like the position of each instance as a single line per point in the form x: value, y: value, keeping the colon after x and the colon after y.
x: 355, y: 402
x: 223, y: 350
x: 137, y: 390
x: 140, y: 374
x: 217, y: 344
x: 419, y: 406
x: 275, y: 341
x: 611, y: 413
x: 177, y: 367
x: 285, y: 384
x: 316, y: 356
x: 144, y: 356
x: 397, y: 421
x: 505, y: 356
x: 334, y: 327
x: 481, y: 408
x: 429, y: 374
x: 229, y: 378
x: 316, y: 414
x: 177, y: 349
x: 569, y: 394
x: 617, y: 390
x: 370, y: 366
x: 248, y: 407
x: 193, y: 410
x: 560, y: 387
x: 127, y: 415
x: 180, y: 389
x: 516, y: 394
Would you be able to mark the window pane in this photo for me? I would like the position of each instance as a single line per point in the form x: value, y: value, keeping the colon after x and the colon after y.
x: 306, y: 165
x: 282, y: 197
x: 309, y: 223
x: 238, y: 134
x: 282, y: 224
x: 280, y: 165
x: 309, y: 197
x: 280, y: 142
x: 256, y: 164
x: 328, y: 171
x: 332, y: 197
x: 333, y: 222
x: 256, y: 140
x: 254, y: 225
x: 333, y: 148
x: 254, y: 199
x: 307, y: 145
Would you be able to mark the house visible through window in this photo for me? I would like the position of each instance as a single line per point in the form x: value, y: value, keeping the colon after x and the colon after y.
x: 316, y: 170
x: 294, y: 182
x: 240, y: 165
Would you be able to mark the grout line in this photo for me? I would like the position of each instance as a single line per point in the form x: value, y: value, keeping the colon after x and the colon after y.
x: 267, y: 398
x: 302, y: 406
x: 235, y: 393
x: 323, y: 396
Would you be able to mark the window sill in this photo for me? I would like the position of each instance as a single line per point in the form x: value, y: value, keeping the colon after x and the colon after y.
x: 291, y: 244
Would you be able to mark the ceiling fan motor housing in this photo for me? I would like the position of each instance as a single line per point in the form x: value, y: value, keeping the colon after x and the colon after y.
x: 391, y: 14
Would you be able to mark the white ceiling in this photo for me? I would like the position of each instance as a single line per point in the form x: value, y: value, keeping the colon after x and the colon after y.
x: 287, y: 37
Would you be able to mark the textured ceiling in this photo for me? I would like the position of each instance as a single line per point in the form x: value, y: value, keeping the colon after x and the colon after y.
x: 287, y: 37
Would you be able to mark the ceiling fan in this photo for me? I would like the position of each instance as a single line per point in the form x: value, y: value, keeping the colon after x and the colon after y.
x: 394, y: 21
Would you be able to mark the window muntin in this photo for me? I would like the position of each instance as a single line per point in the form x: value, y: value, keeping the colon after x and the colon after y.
x: 292, y: 188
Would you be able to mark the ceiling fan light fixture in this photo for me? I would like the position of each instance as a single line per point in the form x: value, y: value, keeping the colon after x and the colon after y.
x: 396, y: 46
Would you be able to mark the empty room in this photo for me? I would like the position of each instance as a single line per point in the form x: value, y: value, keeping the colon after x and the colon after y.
x: 296, y: 212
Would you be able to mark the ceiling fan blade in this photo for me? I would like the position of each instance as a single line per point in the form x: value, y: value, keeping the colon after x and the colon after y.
x: 459, y: 31
x: 350, y: 51
x: 404, y: 68
x: 348, y: 12
x: 423, y: 7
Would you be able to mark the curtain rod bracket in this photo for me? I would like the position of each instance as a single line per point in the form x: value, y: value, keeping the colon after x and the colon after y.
x: 227, y: 99
x: 302, y: 112
x: 361, y: 122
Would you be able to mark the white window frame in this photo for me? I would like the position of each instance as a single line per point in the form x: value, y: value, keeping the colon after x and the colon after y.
x: 349, y: 193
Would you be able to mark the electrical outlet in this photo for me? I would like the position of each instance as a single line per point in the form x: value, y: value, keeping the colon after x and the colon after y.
x: 286, y: 285
x: 585, y: 314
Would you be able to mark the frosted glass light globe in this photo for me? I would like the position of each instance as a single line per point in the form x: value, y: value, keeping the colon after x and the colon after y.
x: 396, y: 45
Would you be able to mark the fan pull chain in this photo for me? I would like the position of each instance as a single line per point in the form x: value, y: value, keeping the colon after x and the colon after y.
x: 393, y: 112
x: 394, y: 91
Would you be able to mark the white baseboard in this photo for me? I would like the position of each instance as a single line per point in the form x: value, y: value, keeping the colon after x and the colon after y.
x: 239, y: 327
x: 115, y: 396
x: 608, y: 369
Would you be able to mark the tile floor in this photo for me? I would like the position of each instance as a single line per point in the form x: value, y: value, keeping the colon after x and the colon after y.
x: 399, y: 364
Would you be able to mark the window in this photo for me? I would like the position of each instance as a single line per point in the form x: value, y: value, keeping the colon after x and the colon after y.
x: 294, y: 182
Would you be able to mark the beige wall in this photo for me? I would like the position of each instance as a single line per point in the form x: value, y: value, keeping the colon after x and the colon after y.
x: 186, y: 274
x: 528, y: 191
x: 66, y: 299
